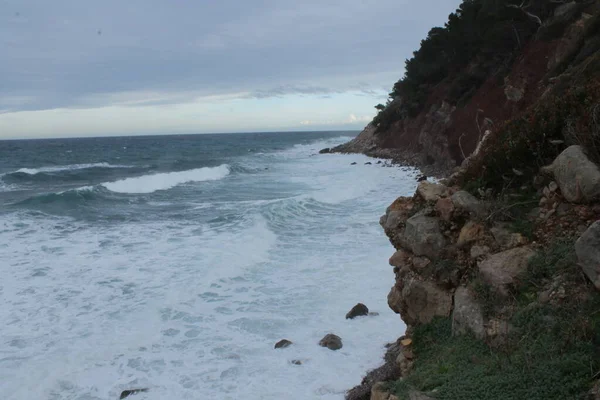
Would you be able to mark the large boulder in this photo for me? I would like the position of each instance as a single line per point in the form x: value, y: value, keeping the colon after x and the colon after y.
x: 282, y: 344
x: 431, y: 192
x: 358, y: 310
x: 400, y: 259
x: 420, y: 301
x: 500, y: 269
x: 397, y: 213
x: 331, y: 341
x: 467, y: 203
x: 587, y: 248
x: 423, y: 237
x: 577, y: 176
x: 467, y: 315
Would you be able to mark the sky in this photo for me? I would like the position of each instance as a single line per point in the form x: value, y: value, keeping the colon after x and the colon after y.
x: 116, y: 67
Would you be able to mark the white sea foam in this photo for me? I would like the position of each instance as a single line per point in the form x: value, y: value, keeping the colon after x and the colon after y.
x: 192, y: 310
x: 154, y: 182
x: 71, y: 167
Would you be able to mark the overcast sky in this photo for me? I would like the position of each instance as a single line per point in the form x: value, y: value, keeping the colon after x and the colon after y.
x: 103, y: 67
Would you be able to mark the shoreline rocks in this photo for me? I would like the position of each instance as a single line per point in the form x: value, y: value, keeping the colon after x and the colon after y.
x: 331, y: 341
x: 357, y: 311
x: 283, y: 343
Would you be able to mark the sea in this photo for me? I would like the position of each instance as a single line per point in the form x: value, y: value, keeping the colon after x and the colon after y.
x: 175, y: 263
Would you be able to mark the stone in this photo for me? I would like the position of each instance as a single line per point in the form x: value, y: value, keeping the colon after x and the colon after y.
x: 421, y: 178
x: 404, y: 364
x: 400, y: 259
x: 444, y: 207
x: 587, y: 248
x: 353, y: 163
x: 467, y: 315
x: 466, y: 202
x: 126, y: 393
x: 420, y: 263
x: 577, y: 176
x: 282, y: 344
x: 501, y: 269
x: 506, y: 239
x: 325, y: 151
x: 358, y: 310
x: 331, y: 341
x: 368, y: 163
x: 397, y: 213
x: 552, y: 186
x: 479, y: 251
x: 296, y: 362
x: 423, y: 237
x: 379, y: 392
x: 470, y: 232
x: 431, y: 192
x: 420, y: 301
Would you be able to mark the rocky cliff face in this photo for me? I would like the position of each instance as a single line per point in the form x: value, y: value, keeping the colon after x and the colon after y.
x: 563, y: 53
x: 500, y: 293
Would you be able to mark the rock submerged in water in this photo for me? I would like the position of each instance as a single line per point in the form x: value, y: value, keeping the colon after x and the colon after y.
x: 357, y: 311
x: 326, y: 150
x: 331, y: 341
x: 126, y: 393
x: 282, y: 344
x: 353, y: 163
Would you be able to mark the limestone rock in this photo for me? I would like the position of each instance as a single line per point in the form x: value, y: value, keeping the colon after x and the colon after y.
x: 467, y: 314
x: 397, y: 213
x: 379, y: 392
x: 400, y: 259
x: 587, y: 248
x: 358, y: 310
x: 466, y: 202
x: 282, y: 344
x: 423, y: 237
x: 444, y: 208
x: 331, y: 341
x: 126, y: 393
x: 501, y: 269
x: 577, y: 176
x: 470, y: 232
x: 507, y: 239
x: 394, y: 299
x: 431, y: 192
x: 421, y: 301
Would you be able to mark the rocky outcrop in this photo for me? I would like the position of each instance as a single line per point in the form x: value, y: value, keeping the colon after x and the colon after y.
x: 358, y: 310
x: 467, y: 315
x: 331, y: 341
x: 419, y: 301
x: 577, y: 176
x: 587, y: 248
x: 500, y: 270
x: 423, y: 237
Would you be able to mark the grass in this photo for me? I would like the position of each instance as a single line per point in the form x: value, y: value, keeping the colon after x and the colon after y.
x: 552, y: 351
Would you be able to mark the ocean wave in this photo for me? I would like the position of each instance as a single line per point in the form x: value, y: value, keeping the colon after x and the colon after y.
x: 71, y: 167
x: 164, y: 181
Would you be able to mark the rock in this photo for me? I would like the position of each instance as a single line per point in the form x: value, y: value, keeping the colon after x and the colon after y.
x: 127, y: 393
x: 353, y: 163
x: 479, y: 251
x: 404, y: 364
x: 379, y: 392
x: 378, y: 162
x: 397, y: 213
x: 501, y: 269
x: 444, y: 208
x: 325, y: 151
x: 423, y: 237
x: 507, y: 239
x: 552, y: 187
x: 415, y: 395
x: 466, y: 202
x: 331, y: 341
x: 577, y: 176
x: 420, y: 301
x: 467, y: 315
x: 387, y: 372
x: 420, y: 263
x: 296, y: 362
x: 587, y: 248
x: 470, y: 232
x: 421, y: 178
x: 400, y: 259
x: 368, y: 163
x: 282, y: 344
x: 431, y: 192
x: 358, y: 310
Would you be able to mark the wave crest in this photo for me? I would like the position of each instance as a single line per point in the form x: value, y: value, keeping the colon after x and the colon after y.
x: 164, y: 181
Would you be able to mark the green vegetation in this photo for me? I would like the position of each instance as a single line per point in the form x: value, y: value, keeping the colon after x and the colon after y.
x: 551, y: 352
x: 484, y: 34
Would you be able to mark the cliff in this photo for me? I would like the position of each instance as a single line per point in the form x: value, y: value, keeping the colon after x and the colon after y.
x: 497, y: 268
x: 458, y: 89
